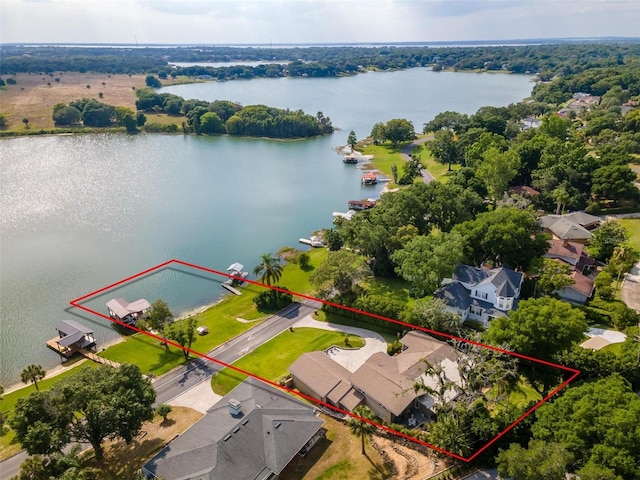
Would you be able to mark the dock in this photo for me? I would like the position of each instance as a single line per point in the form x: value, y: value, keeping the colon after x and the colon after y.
x: 233, y: 290
x: 95, y: 358
x: 315, y: 241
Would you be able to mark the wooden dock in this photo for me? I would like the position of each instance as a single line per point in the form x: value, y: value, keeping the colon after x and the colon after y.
x: 233, y: 290
x: 95, y: 358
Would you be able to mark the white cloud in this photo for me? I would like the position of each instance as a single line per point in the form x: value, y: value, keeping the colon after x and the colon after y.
x: 312, y: 21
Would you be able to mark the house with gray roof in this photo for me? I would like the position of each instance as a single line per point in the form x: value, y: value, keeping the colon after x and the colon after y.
x: 481, y: 293
x: 252, y: 433
x: 574, y: 226
x: 383, y: 383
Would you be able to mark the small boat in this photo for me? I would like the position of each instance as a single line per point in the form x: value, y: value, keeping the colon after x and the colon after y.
x: 369, y: 179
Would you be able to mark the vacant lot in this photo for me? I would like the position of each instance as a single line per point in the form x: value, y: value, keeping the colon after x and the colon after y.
x: 33, y: 96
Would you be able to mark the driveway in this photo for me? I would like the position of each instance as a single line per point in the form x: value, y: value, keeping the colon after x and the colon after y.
x: 630, y: 289
x: 406, y: 154
x: 351, y: 359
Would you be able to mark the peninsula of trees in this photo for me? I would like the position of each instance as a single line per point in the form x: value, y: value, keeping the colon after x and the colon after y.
x: 202, y: 117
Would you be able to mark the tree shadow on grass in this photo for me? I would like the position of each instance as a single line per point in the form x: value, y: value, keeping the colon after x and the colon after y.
x: 123, y: 461
x: 165, y: 357
x: 300, y: 466
x: 167, y: 422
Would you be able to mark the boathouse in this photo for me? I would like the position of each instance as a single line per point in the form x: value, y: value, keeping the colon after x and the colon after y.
x: 125, y: 312
x: 369, y: 179
x: 72, y: 337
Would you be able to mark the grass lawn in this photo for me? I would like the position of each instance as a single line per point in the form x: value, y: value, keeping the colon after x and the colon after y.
x: 387, y: 330
x: 272, y: 359
x: 396, y: 288
x: 615, y: 348
x: 633, y: 227
x: 384, y: 156
x: 336, y: 457
x: 296, y: 279
x: 520, y: 397
x: 439, y: 171
x: 221, y: 320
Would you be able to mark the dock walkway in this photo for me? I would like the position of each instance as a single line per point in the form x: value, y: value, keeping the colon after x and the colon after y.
x: 93, y: 357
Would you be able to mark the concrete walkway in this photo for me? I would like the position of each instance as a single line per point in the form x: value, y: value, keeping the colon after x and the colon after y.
x: 200, y: 398
x: 349, y: 359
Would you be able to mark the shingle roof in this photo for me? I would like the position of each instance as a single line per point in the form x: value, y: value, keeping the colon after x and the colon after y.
x: 260, y: 442
x: 70, y: 327
x: 569, y: 226
x: 506, y: 281
x: 319, y: 372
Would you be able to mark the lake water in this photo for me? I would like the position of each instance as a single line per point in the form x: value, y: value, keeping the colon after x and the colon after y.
x: 81, y: 212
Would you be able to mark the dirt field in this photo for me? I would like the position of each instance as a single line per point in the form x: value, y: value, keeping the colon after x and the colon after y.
x: 34, y: 96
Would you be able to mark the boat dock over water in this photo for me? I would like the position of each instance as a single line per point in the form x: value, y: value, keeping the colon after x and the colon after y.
x: 315, y: 241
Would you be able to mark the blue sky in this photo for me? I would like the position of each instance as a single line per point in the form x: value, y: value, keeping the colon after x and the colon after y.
x: 311, y: 21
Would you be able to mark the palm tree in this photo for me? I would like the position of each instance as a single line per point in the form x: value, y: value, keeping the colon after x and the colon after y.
x: 269, y: 269
x: 622, y: 260
x: 32, y: 373
x: 359, y: 426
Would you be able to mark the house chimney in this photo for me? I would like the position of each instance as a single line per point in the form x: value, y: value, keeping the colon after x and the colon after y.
x: 565, y: 242
x: 235, y: 407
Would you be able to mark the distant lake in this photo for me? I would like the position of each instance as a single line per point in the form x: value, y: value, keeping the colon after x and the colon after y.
x: 228, y: 64
x: 81, y: 212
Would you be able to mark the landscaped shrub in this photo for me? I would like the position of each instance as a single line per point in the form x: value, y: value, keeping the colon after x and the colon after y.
x: 272, y: 299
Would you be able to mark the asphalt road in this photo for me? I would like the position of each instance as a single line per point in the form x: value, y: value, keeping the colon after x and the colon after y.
x: 406, y: 154
x: 200, y: 370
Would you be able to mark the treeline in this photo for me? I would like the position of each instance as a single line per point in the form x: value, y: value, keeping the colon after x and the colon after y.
x: 546, y: 60
x: 202, y: 117
x: 579, y: 163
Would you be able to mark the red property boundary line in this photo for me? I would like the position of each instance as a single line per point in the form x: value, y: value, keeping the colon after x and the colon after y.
x: 77, y: 304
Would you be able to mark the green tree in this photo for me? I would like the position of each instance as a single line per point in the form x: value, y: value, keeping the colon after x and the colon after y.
x: 450, y: 433
x: 431, y: 313
x: 377, y: 133
x: 163, y: 410
x: 555, y: 126
x: 4, y: 123
x: 332, y: 239
x: 141, y: 119
x: 623, y: 259
x: 338, y: 272
x: 541, y: 328
x: 32, y: 373
x: 603, y: 285
x: 554, y: 276
x: 65, y: 115
x: 269, y: 270
x: 597, y: 422
x: 26, y: 122
x: 615, y: 183
x: 362, y: 427
x: 606, y: 238
x: 540, y: 461
x: 443, y: 147
x: 398, y: 130
x: 427, y: 259
x: 183, y: 333
x: 304, y: 260
x: 210, y: 123
x: 352, y: 139
x: 506, y: 236
x: 93, y: 405
x: 497, y: 170
x: 160, y: 317
x: 152, y: 82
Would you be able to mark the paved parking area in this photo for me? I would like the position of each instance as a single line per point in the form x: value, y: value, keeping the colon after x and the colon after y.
x: 200, y: 397
x: 349, y: 359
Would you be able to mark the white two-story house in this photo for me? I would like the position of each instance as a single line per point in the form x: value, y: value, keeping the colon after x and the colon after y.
x: 480, y: 293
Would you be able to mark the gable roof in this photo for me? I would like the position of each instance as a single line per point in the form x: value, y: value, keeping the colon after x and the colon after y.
x: 387, y: 380
x: 506, y: 281
x: 570, y: 226
x: 320, y: 373
x: 454, y: 295
x: 271, y: 429
x: 70, y: 327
